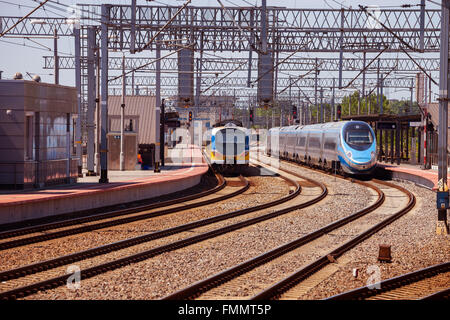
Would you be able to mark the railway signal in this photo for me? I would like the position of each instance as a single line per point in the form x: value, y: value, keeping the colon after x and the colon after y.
x: 294, y: 112
x: 338, y: 111
x: 251, y: 115
x: 190, y: 116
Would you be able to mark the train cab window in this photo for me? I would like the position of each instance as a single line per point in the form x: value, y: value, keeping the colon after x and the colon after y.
x: 230, y: 141
x: 358, y: 136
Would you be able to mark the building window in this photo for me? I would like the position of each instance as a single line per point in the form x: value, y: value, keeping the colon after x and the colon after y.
x: 29, y: 137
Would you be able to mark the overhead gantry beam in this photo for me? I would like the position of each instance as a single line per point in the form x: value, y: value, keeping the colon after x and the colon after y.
x: 317, y: 30
x: 242, y: 82
x: 228, y: 64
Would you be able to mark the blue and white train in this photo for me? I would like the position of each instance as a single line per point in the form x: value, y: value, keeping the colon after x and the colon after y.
x: 227, y: 148
x: 347, y: 146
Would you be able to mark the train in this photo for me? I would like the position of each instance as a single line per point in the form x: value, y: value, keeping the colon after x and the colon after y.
x: 227, y: 148
x: 345, y: 146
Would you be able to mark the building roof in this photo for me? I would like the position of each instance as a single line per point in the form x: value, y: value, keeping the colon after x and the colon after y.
x: 141, y: 108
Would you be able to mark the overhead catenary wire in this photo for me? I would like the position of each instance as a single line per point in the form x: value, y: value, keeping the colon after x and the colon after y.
x: 252, y: 45
x: 146, y: 64
x: 23, y: 18
x: 32, y: 47
x: 164, y: 27
x: 296, y: 80
x: 221, y: 79
x: 420, y: 67
x: 364, y: 9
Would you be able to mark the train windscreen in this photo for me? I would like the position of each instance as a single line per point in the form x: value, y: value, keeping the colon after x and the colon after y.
x: 230, y: 142
x: 358, y: 136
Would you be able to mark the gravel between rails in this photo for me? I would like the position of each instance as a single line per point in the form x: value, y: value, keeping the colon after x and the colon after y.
x: 161, y: 275
x: 414, y: 246
x: 15, y: 257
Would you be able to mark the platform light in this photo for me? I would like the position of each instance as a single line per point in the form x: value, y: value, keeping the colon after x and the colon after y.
x: 38, y: 21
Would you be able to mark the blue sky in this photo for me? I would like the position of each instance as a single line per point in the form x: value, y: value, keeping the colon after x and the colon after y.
x: 17, y: 58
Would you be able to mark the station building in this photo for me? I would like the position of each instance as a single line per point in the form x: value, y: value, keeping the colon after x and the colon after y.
x: 37, y: 123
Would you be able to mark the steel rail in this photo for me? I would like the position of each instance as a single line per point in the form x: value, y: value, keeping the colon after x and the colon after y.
x: 233, y: 272
x: 395, y: 283
x: 52, y: 263
x: 105, y: 224
x: 444, y: 294
x: 54, y: 225
x: 101, y: 268
x: 280, y: 287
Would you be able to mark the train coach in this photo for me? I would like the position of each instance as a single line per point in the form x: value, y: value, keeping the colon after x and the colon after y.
x: 227, y: 148
x: 345, y: 146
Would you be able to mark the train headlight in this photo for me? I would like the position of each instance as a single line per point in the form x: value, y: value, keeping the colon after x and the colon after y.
x: 349, y: 154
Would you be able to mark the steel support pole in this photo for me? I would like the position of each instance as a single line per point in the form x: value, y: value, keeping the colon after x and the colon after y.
x: 422, y: 25
x: 275, y: 85
x: 364, y: 79
x: 97, y: 113
x: 350, y: 105
x: 321, y: 105
x: 133, y: 92
x: 429, y: 91
x: 341, y: 47
x: 133, y: 28
x: 315, y: 93
x: 250, y: 51
x: 104, y: 95
x: 359, y: 103
x: 55, y: 55
x: 333, y: 107
x: 122, y: 118
x: 199, y: 76
x: 264, y: 26
x: 158, y: 139
x: 381, y: 93
x: 161, y: 133
x: 76, y: 33
x: 444, y: 88
x: 91, y: 93
x: 378, y: 85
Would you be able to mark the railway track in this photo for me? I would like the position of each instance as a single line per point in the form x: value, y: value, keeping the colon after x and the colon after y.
x: 240, y: 277
x: 220, y: 285
x: 425, y: 284
x: 294, y: 285
x: 26, y: 280
x: 35, y: 234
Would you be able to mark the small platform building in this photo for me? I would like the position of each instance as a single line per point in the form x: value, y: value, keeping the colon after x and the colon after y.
x: 36, y: 134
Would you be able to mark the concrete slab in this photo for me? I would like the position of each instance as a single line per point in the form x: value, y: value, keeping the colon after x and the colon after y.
x: 426, y: 178
x: 87, y: 193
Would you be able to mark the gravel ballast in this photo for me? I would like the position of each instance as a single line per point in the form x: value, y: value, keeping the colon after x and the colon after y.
x: 159, y: 276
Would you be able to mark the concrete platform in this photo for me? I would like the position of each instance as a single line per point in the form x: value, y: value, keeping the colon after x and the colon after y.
x: 183, y: 172
x: 426, y: 178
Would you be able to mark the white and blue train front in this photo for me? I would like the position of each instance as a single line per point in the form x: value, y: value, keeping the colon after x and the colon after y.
x: 228, y: 148
x: 357, y: 152
x: 349, y: 146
